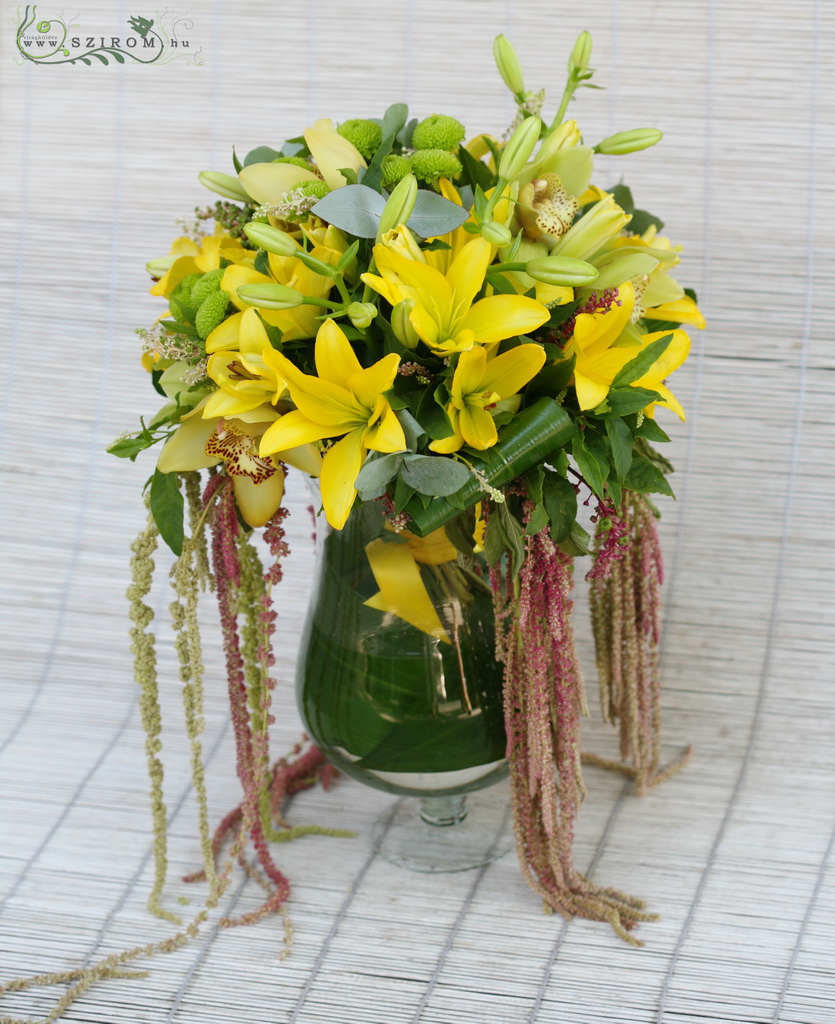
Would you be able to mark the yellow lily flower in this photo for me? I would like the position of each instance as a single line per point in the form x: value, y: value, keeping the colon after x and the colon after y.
x: 244, y: 380
x: 445, y: 316
x: 600, y: 353
x: 478, y: 384
x: 299, y: 322
x: 344, y: 399
x: 192, y: 258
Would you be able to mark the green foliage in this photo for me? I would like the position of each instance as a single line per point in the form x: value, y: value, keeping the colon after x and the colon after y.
x: 167, y: 507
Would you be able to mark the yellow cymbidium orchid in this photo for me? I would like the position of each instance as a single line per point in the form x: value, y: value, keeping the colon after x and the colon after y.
x: 344, y: 399
x: 258, y: 482
x: 479, y: 383
x: 332, y: 152
x: 445, y: 316
x: 600, y: 357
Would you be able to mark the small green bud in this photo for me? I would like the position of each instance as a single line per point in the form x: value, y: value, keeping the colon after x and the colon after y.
x: 438, y: 131
x: 224, y: 185
x: 207, y: 284
x: 561, y: 270
x: 361, y: 314
x: 270, y: 296
x: 430, y: 165
x: 366, y: 136
x: 519, y: 148
x: 629, y: 142
x: 496, y: 234
x: 271, y: 239
x: 580, y: 54
x: 402, y: 325
x: 399, y: 205
x: 211, y: 312
x: 394, y: 168
x: 508, y: 64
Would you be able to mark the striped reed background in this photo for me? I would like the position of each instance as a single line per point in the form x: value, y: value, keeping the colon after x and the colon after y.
x: 736, y: 853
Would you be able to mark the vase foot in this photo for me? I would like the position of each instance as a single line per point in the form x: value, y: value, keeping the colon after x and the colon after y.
x: 437, y: 835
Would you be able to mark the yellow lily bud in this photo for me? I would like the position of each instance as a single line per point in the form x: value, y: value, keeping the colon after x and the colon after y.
x: 561, y: 270
x: 603, y: 222
x: 402, y: 325
x: 361, y: 314
x: 580, y: 54
x: 496, y: 234
x: 224, y: 185
x: 520, y: 147
x: 508, y: 64
x: 629, y: 142
x: 400, y: 204
x: 270, y: 296
x: 272, y: 239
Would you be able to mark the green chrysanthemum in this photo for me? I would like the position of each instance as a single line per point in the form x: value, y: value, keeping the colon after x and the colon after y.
x: 438, y: 131
x: 319, y: 189
x: 365, y: 135
x: 207, y: 284
x: 394, y: 168
x: 296, y: 161
x: 211, y: 313
x: 430, y: 165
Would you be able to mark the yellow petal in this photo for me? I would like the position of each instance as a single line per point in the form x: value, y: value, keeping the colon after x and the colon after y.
x: 368, y: 384
x: 331, y: 153
x: 669, y: 361
x: 501, y: 316
x: 684, y: 311
x: 292, y: 430
x: 387, y: 435
x: 258, y: 503
x: 433, y: 549
x: 335, y: 359
x: 469, y: 374
x: 268, y: 182
x: 669, y: 400
x: 477, y: 427
x: 382, y: 287
x: 185, y: 451
x: 590, y: 393
x: 511, y: 371
x: 225, y: 335
x: 235, y: 277
x: 466, y: 275
x: 340, y: 467
x: 305, y: 457
x: 402, y: 591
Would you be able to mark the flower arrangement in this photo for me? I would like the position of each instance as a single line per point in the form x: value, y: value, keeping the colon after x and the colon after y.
x: 470, y: 332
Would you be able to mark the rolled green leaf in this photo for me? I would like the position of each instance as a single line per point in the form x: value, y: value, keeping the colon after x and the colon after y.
x: 535, y: 433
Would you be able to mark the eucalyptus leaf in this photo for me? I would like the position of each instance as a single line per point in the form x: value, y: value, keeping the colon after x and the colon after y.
x: 354, y: 208
x: 395, y: 118
x: 431, y: 214
x: 167, y: 509
x: 414, y: 432
x: 436, y: 475
x: 375, y: 475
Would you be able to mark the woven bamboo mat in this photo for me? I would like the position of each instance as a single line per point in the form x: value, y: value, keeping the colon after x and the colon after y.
x: 735, y: 854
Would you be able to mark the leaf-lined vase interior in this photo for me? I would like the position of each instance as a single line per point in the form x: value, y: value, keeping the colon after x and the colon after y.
x: 397, y: 681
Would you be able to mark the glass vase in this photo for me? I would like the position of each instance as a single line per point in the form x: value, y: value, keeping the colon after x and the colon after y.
x: 399, y: 687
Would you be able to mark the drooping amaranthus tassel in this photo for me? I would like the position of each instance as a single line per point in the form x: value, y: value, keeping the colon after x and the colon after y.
x: 249, y: 743
x: 544, y: 699
x: 626, y: 621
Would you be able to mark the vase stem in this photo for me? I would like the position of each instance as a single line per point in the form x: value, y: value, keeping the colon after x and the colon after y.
x: 443, y: 810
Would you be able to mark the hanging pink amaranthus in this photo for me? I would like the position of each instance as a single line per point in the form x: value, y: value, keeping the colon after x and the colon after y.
x: 626, y: 618
x: 544, y: 699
